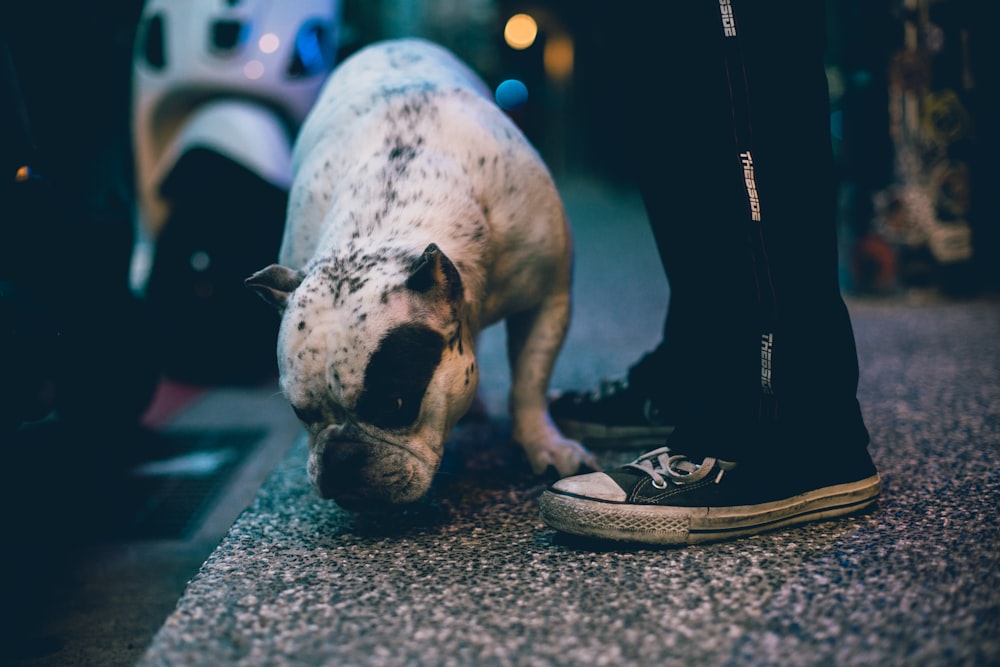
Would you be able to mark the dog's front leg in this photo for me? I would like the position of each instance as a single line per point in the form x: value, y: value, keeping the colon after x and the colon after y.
x: 534, y: 338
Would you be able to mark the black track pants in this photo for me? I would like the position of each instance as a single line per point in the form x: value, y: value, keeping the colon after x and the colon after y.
x: 724, y: 104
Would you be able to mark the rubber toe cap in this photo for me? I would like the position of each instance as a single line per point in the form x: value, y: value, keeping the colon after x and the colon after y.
x: 596, y: 485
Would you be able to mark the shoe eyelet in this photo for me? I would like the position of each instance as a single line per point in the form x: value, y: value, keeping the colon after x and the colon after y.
x: 661, y: 484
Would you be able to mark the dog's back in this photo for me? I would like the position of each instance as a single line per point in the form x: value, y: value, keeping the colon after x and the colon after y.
x: 378, y: 110
x: 405, y: 147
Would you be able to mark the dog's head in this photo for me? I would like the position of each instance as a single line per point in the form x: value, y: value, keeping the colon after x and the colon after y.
x: 377, y: 364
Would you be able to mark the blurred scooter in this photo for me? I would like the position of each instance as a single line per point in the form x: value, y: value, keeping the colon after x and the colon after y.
x: 220, y: 88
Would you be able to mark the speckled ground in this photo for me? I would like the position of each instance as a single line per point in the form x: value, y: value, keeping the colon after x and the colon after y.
x: 473, y: 577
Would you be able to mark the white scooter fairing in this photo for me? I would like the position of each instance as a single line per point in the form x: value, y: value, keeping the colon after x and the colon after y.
x: 220, y: 88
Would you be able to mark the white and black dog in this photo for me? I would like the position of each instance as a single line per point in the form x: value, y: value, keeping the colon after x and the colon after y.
x: 418, y: 215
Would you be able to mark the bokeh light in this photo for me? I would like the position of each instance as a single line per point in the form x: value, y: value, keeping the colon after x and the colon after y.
x: 511, y: 95
x: 253, y: 69
x: 520, y: 31
x: 558, y: 57
x: 268, y: 43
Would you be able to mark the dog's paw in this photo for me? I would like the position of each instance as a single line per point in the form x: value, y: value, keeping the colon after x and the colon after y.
x: 565, y: 456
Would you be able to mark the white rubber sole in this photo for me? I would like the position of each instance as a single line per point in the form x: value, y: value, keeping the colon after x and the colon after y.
x: 654, y: 524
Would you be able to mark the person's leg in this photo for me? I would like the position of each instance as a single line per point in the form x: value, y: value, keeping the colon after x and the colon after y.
x: 760, y: 356
x: 667, y: 78
x: 681, y: 132
x: 815, y: 366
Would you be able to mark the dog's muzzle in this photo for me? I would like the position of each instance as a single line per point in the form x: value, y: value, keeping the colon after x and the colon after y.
x: 363, y: 476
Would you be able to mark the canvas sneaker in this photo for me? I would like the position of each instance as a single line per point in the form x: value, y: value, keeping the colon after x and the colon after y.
x: 666, y: 498
x: 615, y: 416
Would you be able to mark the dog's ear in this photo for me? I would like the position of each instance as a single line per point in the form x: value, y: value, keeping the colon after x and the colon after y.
x: 435, y: 273
x: 274, y: 284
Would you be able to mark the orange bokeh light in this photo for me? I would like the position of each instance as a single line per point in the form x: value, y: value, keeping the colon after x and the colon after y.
x: 520, y: 31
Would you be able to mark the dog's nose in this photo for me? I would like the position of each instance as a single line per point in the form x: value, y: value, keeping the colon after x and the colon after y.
x: 344, y: 477
x: 343, y: 462
x: 345, y: 456
x: 366, y: 478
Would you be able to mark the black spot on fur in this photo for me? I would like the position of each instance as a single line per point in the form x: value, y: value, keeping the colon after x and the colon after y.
x: 402, y: 153
x: 398, y: 374
x: 457, y: 340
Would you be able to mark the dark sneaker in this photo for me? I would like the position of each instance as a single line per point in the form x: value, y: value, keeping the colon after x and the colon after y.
x: 615, y: 416
x: 665, y: 498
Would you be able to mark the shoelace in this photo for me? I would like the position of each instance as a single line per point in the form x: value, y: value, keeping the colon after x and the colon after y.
x: 611, y: 388
x: 607, y: 389
x: 679, y: 468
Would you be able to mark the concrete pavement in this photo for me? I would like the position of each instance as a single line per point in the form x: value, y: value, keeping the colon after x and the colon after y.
x: 471, y: 576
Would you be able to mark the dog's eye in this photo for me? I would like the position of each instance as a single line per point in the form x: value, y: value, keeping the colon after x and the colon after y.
x: 392, y: 405
x: 389, y: 410
x: 307, y: 415
x: 397, y: 376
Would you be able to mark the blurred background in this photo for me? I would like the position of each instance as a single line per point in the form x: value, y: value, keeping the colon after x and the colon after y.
x: 141, y: 138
